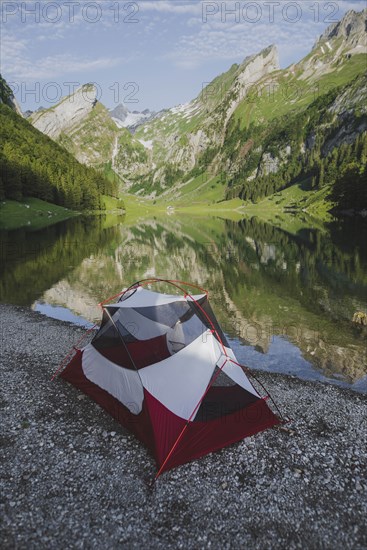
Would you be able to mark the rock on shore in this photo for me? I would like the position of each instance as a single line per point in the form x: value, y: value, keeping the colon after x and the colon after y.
x: 72, y: 477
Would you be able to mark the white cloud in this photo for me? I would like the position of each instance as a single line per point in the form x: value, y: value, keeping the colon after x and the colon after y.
x: 173, y: 7
x: 19, y: 63
x: 229, y: 39
x: 356, y: 5
x: 169, y: 32
x: 218, y: 12
x: 55, y: 66
x: 235, y: 42
x: 12, y: 45
x: 13, y: 51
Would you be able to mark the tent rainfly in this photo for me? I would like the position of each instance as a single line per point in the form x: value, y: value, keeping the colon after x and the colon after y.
x: 162, y: 367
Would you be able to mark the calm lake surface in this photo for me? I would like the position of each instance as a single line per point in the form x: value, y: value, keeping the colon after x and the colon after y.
x: 284, y: 293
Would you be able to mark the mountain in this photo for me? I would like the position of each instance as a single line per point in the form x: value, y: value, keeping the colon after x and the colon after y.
x: 124, y: 118
x: 97, y: 137
x: 183, y: 134
x: 85, y: 128
x: 252, y: 131
x: 223, y: 136
x: 351, y: 28
x: 229, y: 136
x: 33, y: 165
x: 274, y: 132
x: 67, y: 114
x: 81, y: 124
x: 321, y: 122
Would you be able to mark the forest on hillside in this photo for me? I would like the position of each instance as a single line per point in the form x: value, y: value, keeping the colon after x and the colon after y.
x: 32, y: 165
x: 342, y: 168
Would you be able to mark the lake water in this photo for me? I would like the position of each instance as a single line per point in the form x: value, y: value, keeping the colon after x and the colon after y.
x: 285, y: 292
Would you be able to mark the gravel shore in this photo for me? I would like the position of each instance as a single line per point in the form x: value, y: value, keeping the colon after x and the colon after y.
x: 72, y: 477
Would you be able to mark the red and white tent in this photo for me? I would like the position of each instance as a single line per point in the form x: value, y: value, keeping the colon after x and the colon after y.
x: 161, y: 365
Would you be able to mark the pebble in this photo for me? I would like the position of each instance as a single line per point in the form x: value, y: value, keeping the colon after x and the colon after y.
x: 63, y: 486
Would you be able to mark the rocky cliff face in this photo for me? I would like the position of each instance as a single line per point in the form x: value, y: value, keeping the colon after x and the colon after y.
x: 343, y: 110
x: 340, y: 40
x: 66, y: 114
x: 7, y: 97
x: 252, y: 71
x: 351, y: 28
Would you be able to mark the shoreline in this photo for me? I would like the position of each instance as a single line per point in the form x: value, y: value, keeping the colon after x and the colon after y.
x: 72, y: 476
x: 36, y: 214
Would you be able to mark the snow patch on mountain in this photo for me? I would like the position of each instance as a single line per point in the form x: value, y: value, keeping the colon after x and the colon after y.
x: 147, y: 144
x: 186, y: 110
x: 123, y: 118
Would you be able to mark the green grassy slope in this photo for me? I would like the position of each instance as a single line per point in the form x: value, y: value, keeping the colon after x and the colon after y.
x: 31, y: 213
x: 287, y: 92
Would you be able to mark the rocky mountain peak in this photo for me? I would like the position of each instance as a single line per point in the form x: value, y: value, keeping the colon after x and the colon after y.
x: 69, y: 111
x: 340, y: 40
x: 267, y: 56
x: 120, y: 112
x: 352, y: 25
x: 124, y: 118
x: 255, y: 67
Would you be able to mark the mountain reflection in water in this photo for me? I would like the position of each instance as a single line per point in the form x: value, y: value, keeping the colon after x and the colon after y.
x: 285, y: 295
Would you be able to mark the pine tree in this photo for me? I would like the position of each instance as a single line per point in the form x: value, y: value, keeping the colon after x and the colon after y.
x: 33, y: 165
x: 363, y: 155
x: 321, y: 175
x: 2, y: 190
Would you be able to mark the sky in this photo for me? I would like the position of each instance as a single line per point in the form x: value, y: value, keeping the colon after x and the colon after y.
x: 147, y: 53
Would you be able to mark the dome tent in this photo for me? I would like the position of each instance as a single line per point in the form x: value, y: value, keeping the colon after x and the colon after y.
x: 162, y: 367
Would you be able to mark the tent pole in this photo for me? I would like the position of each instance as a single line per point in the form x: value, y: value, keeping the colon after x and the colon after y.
x: 192, y: 415
x: 123, y: 343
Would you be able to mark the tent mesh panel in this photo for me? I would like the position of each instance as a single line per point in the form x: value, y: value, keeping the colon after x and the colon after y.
x: 147, y: 334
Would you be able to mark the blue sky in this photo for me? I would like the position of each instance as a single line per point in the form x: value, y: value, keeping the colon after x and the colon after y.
x: 148, y: 53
